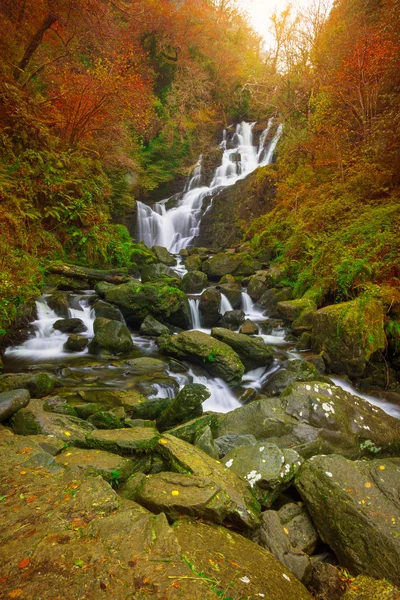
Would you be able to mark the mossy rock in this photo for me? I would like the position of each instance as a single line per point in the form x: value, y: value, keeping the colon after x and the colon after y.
x: 209, y: 306
x: 59, y: 303
x: 367, y: 588
x: 105, y: 420
x: 252, y: 351
x: 38, y: 384
x: 164, y: 256
x: 193, y: 263
x: 107, y: 311
x: 232, y: 319
x: 71, y: 325
x: 234, y: 264
x: 189, y: 430
x: 150, y: 326
x: 292, y: 371
x: 233, y: 291
x: 160, y: 271
x: 76, y: 343
x: 244, y: 569
x: 349, y: 334
x: 114, y: 337
x: 187, y: 405
x: 128, y: 399
x: 292, y: 310
x: 84, y: 411
x: 11, y: 402
x: 214, y: 356
x: 110, y: 467
x: 194, y: 282
x: 124, y: 441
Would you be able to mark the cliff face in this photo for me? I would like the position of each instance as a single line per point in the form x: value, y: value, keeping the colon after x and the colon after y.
x: 225, y: 221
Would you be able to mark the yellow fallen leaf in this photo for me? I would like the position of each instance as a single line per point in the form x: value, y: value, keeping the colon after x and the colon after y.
x: 163, y: 441
x: 175, y: 493
x: 15, y: 593
x: 67, y: 433
x: 22, y: 472
x: 382, y: 467
x: 368, y: 484
x: 68, y: 454
x: 286, y: 530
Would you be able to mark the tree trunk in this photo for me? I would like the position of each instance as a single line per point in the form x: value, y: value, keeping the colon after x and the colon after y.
x: 34, y: 43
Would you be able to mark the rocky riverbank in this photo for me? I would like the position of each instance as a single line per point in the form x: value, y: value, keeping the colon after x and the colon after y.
x: 117, y: 478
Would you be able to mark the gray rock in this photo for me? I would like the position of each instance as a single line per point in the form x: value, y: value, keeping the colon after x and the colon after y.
x: 292, y: 371
x: 194, y: 282
x: 164, y: 256
x: 269, y: 300
x: 204, y: 440
x: 248, y: 328
x: 226, y: 443
x: 76, y: 343
x: 107, y: 311
x: 114, y: 337
x: 187, y: 405
x: 232, y: 319
x: 70, y: 325
x: 11, y: 402
x: 209, y: 307
x: 150, y: 326
x: 253, y: 352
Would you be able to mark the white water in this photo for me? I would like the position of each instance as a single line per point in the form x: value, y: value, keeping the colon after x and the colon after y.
x: 177, y: 227
x: 388, y: 407
x: 195, y: 313
x: 225, y: 305
x: 48, y: 342
x: 250, y: 309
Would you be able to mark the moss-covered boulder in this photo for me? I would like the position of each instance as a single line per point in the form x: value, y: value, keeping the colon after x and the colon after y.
x: 59, y: 303
x: 84, y: 411
x: 127, y: 399
x: 182, y: 457
x: 107, y: 311
x: 71, y: 325
x: 317, y: 418
x: 193, y: 263
x: 124, y: 441
x: 269, y: 300
x: 194, y: 282
x: 216, y: 357
x: 296, y: 310
x: 103, y: 287
x: 137, y: 300
x: 367, y: 588
x: 33, y: 420
x: 37, y: 384
x: 105, y: 420
x: 164, y: 256
x: 114, y: 337
x: 355, y: 507
x: 150, y: 326
x: 232, y: 291
x: 252, y: 351
x: 258, y: 285
x: 160, y: 272
x: 145, y: 365
x: 76, y: 343
x: 12, y: 402
x: 187, y: 405
x: 59, y: 405
x: 292, y: 371
x: 226, y: 263
x: 348, y: 334
x: 232, y: 319
x: 209, y: 307
x: 111, y: 467
x: 190, y: 430
x: 268, y: 469
x: 237, y: 567
x: 248, y: 327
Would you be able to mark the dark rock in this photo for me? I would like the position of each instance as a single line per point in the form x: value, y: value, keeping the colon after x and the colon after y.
x: 123, y: 441
x: 269, y: 300
x: 292, y: 371
x: 58, y: 405
x: 234, y: 264
x: 164, y: 256
x: 194, y: 282
x: 187, y: 405
x: 38, y: 384
x: 150, y: 326
x: 232, y: 319
x: 252, y: 351
x: 11, y: 402
x: 76, y: 343
x: 248, y: 328
x: 59, y: 303
x: 70, y: 325
x: 209, y: 307
x: 159, y: 271
x: 114, y: 337
x: 105, y: 420
x: 107, y: 311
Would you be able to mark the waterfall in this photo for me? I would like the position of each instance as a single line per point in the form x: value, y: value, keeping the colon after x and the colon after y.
x: 225, y: 305
x: 195, y: 313
x: 247, y: 303
x: 176, y: 227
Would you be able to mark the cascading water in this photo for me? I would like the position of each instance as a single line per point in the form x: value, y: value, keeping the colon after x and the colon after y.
x: 195, y: 313
x: 225, y: 305
x: 177, y: 227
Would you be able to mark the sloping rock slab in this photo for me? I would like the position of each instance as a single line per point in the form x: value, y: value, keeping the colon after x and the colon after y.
x: 252, y: 351
x: 64, y: 537
x: 111, y: 467
x: 214, y: 356
x: 356, y: 509
x: 239, y: 568
x: 317, y: 418
x: 12, y: 402
x: 128, y: 399
x: 33, y: 420
x: 185, y: 458
x: 124, y: 441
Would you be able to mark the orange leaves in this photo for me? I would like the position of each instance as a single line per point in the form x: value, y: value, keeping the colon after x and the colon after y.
x: 15, y: 593
x: 23, y: 563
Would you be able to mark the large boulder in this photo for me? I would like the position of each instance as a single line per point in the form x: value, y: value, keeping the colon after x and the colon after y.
x: 12, y: 402
x: 348, y: 334
x: 355, y: 507
x: 34, y: 420
x: 59, y: 303
x: 214, y: 356
x: 227, y: 263
x: 107, y: 311
x: 233, y: 291
x: 194, y: 282
x: 182, y: 457
x: 72, y: 325
x: 240, y: 568
x: 187, y: 405
x: 209, y: 307
x: 317, y: 418
x: 111, y: 467
x: 150, y: 326
x: 137, y: 300
x: 294, y: 310
x: 193, y: 263
x: 113, y: 337
x: 232, y: 319
x: 37, y: 384
x: 268, y: 469
x: 123, y: 441
x: 269, y: 300
x: 252, y: 351
x: 292, y: 371
x: 76, y: 343
x: 164, y: 256
x: 159, y: 271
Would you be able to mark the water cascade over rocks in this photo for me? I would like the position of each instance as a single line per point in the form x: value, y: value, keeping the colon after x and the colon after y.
x: 176, y: 227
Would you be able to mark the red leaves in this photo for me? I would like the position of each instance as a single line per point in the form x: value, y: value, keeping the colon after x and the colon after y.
x: 23, y: 563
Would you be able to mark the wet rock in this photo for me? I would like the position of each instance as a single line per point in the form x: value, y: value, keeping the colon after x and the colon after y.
x: 191, y: 430
x: 107, y: 311
x: 68, y: 284
x: 292, y: 371
x: 233, y: 291
x: 137, y: 300
x: 257, y: 285
x: 151, y: 408
x: 182, y: 457
x: 214, y: 356
x: 37, y: 384
x: 304, y: 343
x: 226, y: 443
x: 355, y: 508
x: 84, y: 411
x: 150, y: 326
x: 103, y: 287
x: 187, y: 405
x: 209, y: 307
x: 71, y: 325
x: 110, y: 467
x: 317, y: 418
x: 232, y: 319
x: 234, y: 264
x: 204, y: 440
x: 76, y: 343
x: 194, y: 282
x: 105, y: 420
x: 268, y: 469
x: 252, y: 351
x: 164, y: 256
x: 12, y: 402
x: 269, y: 300
x: 244, y: 568
x: 49, y: 443
x: 58, y: 405
x: 248, y: 328
x: 367, y: 588
x: 114, y: 337
x: 193, y: 263
x: 146, y: 365
x: 270, y: 325
x: 123, y: 441
x: 128, y: 399
x: 33, y: 420
x: 348, y: 334
x: 291, y: 310
x: 59, y: 303
x: 160, y: 272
